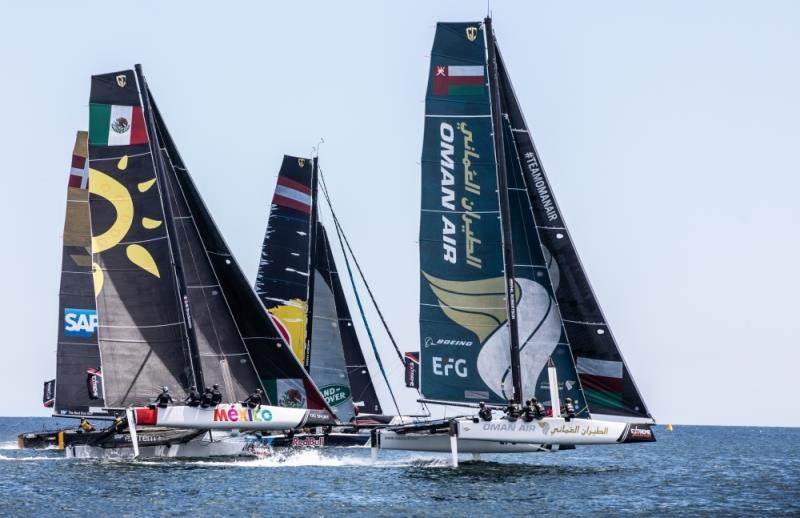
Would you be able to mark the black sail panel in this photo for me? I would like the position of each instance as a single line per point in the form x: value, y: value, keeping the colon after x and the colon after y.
x: 607, y: 383
x: 284, y: 379
x: 223, y: 357
x: 141, y: 331
x: 542, y: 334
x: 78, y: 355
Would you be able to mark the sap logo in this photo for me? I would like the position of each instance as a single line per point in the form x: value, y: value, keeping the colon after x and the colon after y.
x: 79, y: 322
x: 444, y: 366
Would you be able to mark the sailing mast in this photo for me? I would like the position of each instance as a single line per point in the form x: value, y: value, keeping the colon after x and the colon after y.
x: 158, y: 159
x: 505, y: 219
x: 312, y: 253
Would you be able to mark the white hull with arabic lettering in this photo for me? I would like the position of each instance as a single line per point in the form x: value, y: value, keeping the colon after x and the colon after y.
x: 554, y: 430
x: 440, y: 442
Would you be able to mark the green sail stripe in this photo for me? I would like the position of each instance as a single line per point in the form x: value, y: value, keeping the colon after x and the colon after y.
x: 99, y: 117
x: 606, y: 399
x: 465, y: 90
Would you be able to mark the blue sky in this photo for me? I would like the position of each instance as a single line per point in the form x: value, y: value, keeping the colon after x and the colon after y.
x: 668, y: 130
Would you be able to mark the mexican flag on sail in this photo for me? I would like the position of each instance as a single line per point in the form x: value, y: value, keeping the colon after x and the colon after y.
x: 115, y: 125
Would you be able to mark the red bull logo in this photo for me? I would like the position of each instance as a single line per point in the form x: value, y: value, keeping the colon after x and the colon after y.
x: 236, y: 413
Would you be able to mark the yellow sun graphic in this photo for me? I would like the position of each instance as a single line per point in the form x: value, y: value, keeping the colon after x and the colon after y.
x: 118, y: 195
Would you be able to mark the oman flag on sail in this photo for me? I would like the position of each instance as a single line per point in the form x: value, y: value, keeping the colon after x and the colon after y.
x: 602, y: 381
x: 458, y: 80
x: 114, y: 125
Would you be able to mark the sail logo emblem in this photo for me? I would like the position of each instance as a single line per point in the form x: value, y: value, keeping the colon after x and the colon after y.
x: 301, y: 162
x: 122, y: 80
x: 120, y: 125
x: 472, y: 33
x: 107, y: 187
x: 335, y: 395
x: 80, y: 322
x: 444, y: 366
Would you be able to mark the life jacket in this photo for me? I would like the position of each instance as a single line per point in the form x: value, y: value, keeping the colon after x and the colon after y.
x: 86, y: 426
x: 193, y: 399
x: 216, y: 397
x: 539, y: 410
x: 485, y: 414
x: 207, y: 399
x: 527, y: 414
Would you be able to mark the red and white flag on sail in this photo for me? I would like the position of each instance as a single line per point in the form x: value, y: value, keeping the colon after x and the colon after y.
x: 79, y: 172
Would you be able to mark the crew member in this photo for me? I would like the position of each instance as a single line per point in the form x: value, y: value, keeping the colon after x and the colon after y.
x: 568, y: 409
x: 85, y: 425
x: 254, y: 399
x: 216, y: 395
x: 512, y: 411
x: 538, y: 408
x: 206, y: 398
x: 528, y: 412
x: 164, y: 399
x: 192, y: 397
x: 117, y: 421
x: 484, y: 413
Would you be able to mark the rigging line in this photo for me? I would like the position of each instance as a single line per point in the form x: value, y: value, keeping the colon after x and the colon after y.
x: 342, y: 240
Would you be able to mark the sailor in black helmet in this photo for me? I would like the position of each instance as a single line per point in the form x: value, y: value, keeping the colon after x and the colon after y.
x: 538, y: 408
x: 205, y: 398
x: 484, y: 413
x: 163, y: 399
x: 568, y: 409
x: 192, y: 397
x: 254, y: 399
x: 528, y: 411
x: 512, y: 411
x: 216, y: 395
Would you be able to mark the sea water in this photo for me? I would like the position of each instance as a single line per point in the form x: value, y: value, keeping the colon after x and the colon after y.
x: 692, y: 470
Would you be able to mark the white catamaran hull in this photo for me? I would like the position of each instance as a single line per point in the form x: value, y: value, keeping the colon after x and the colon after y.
x: 550, y: 430
x: 231, y: 417
x: 440, y: 442
x: 210, y: 444
x: 468, y: 435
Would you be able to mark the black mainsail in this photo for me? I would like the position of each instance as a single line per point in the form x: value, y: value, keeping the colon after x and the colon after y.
x: 297, y: 278
x: 175, y: 309
x: 607, y: 382
x: 285, y: 381
x: 142, y: 333
x: 78, y: 386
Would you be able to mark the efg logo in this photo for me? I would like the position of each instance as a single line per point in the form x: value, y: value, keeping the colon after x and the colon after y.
x: 79, y: 322
x: 444, y: 366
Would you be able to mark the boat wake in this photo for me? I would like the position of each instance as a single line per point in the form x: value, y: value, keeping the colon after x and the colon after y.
x: 310, y: 458
x: 9, y: 445
x: 27, y: 459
